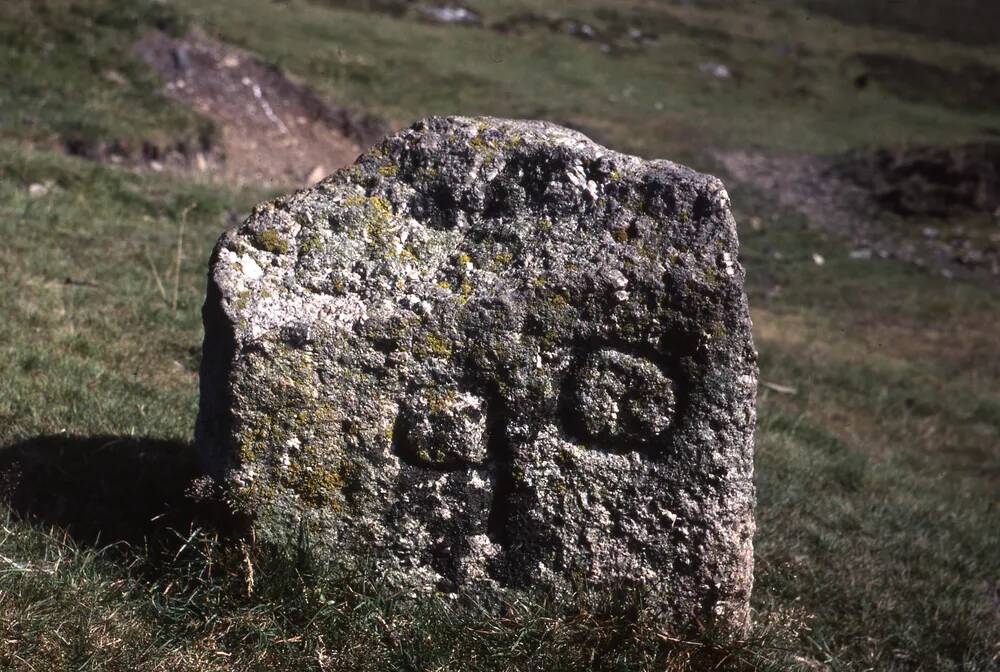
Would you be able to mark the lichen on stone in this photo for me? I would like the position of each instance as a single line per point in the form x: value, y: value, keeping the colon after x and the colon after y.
x: 271, y: 241
x: 502, y: 357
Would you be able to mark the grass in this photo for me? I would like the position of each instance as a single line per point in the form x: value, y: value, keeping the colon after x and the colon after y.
x: 195, y: 612
x: 878, y: 531
x: 70, y: 79
x: 794, y: 71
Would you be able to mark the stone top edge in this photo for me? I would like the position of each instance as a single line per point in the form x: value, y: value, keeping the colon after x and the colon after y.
x: 552, y: 131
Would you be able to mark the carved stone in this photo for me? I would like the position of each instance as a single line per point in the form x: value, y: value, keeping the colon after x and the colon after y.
x: 493, y: 356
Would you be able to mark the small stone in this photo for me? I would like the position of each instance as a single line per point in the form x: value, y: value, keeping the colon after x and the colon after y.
x: 449, y: 14
x: 717, y: 70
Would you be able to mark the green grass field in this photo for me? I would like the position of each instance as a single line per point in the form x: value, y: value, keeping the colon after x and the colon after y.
x: 878, y: 543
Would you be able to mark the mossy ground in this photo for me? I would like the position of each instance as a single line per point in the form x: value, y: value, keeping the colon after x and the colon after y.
x: 877, y: 532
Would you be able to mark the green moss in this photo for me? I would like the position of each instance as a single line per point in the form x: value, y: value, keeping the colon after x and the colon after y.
x: 489, y: 147
x: 257, y: 434
x: 558, y: 300
x: 313, y: 243
x: 517, y: 473
x: 317, y: 486
x: 515, y: 140
x: 271, y: 241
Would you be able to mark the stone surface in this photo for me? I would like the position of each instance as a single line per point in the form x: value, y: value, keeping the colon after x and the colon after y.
x: 491, y: 356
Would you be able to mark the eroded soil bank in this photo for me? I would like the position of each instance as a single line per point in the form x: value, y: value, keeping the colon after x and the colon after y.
x: 937, y: 207
x: 271, y: 130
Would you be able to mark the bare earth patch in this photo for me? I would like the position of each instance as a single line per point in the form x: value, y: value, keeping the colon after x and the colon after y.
x: 272, y: 131
x: 936, y: 208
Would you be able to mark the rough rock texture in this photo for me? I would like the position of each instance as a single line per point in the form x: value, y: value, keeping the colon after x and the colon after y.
x: 493, y: 355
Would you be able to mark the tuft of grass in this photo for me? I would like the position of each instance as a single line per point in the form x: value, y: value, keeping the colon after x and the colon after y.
x: 200, y: 608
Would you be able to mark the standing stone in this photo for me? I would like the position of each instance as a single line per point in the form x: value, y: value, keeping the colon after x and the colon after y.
x: 493, y: 355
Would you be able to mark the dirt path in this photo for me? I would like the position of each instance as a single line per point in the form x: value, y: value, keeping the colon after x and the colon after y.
x: 272, y: 130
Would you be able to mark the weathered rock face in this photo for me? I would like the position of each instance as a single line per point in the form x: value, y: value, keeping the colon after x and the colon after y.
x: 493, y: 355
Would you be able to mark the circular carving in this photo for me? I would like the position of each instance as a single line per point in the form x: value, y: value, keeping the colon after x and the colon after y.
x: 619, y: 398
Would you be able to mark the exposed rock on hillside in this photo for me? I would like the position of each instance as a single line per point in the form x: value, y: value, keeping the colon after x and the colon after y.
x: 272, y: 130
x: 937, y: 207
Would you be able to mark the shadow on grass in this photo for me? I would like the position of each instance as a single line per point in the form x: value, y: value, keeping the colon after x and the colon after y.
x: 107, y: 489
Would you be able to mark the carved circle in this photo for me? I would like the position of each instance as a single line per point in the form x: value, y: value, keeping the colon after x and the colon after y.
x: 620, y: 399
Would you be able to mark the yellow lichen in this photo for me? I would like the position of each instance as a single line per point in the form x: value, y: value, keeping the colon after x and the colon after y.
x: 502, y: 260
x: 242, y: 299
x: 464, y: 292
x: 438, y: 345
